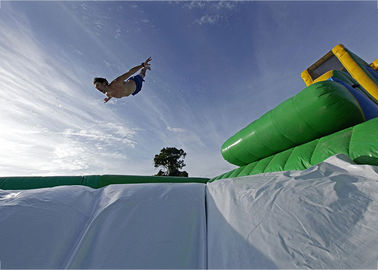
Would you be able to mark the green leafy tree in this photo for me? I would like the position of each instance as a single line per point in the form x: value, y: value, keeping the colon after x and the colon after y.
x: 172, y: 160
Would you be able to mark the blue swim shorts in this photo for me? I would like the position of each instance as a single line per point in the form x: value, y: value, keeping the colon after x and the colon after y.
x: 138, y: 81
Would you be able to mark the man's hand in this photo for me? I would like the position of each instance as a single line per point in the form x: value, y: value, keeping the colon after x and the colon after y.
x: 148, y: 60
x: 107, y: 99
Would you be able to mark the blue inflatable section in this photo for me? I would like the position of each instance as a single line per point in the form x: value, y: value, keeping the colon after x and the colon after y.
x: 373, y: 72
x: 368, y: 106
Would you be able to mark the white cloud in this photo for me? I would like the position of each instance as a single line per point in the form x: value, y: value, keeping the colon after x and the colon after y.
x: 106, y: 133
x: 216, y: 10
x: 210, y: 4
x: 84, y: 6
x: 225, y: 5
x: 178, y: 130
x: 195, y: 4
x: 208, y: 19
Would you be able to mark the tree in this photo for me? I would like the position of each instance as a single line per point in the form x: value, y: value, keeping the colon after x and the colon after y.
x: 172, y: 160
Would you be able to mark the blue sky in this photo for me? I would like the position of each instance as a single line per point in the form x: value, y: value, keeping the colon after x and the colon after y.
x: 217, y: 66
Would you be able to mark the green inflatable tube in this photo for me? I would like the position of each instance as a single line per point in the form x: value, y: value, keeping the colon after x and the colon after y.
x: 318, y: 110
x: 359, y: 142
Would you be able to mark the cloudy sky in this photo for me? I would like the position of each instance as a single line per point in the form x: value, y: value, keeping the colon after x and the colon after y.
x: 216, y: 67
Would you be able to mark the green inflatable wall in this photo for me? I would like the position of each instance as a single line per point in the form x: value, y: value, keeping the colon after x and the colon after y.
x: 93, y: 181
x: 318, y: 110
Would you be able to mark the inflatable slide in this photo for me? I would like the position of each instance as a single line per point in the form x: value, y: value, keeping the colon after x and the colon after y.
x: 337, y: 113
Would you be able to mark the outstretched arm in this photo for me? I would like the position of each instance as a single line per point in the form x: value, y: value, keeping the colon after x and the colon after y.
x: 133, y: 70
x: 129, y: 73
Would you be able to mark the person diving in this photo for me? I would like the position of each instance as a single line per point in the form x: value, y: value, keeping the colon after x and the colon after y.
x: 124, y: 85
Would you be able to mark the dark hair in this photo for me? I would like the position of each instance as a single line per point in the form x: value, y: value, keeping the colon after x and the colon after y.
x: 100, y: 80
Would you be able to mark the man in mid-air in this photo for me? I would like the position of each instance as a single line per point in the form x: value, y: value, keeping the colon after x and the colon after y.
x: 124, y: 85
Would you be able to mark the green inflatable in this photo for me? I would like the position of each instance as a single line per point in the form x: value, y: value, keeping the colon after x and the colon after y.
x: 93, y: 181
x: 359, y: 142
x: 318, y: 110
